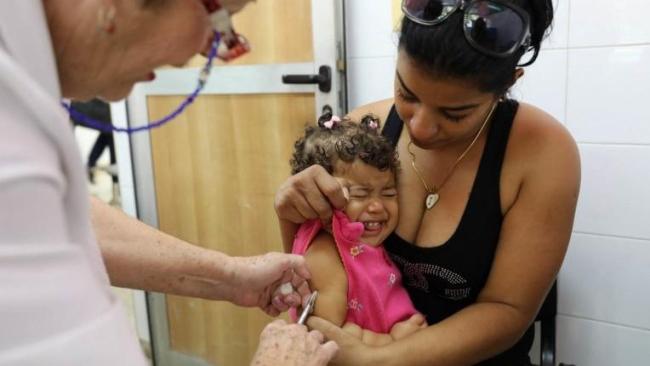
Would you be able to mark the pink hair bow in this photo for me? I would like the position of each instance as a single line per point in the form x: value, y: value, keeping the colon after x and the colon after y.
x: 373, y: 124
x: 332, y: 122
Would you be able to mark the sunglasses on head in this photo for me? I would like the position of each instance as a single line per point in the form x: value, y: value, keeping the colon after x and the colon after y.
x: 495, y: 28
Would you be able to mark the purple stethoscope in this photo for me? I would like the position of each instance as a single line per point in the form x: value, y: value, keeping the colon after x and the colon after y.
x: 236, y: 46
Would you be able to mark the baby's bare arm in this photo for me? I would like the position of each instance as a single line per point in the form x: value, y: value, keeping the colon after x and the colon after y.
x: 328, y: 277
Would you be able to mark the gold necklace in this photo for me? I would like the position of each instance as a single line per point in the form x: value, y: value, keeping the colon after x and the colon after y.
x: 432, y: 193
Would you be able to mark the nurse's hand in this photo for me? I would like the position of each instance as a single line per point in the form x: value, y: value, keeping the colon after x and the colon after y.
x: 258, y: 281
x: 310, y: 194
x: 292, y: 345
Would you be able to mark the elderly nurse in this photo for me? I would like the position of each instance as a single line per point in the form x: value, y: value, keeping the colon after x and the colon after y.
x: 56, y: 307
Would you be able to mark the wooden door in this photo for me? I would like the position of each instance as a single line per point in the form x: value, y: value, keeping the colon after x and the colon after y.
x: 214, y: 171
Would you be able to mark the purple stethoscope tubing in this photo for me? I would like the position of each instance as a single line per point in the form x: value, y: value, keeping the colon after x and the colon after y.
x: 86, y: 121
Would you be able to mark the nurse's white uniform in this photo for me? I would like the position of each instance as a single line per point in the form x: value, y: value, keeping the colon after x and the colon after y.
x: 56, y: 306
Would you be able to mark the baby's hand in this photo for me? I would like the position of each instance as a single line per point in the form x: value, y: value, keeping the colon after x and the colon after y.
x: 408, y: 327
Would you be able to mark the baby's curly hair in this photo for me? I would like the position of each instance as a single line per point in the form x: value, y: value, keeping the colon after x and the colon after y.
x: 334, y: 140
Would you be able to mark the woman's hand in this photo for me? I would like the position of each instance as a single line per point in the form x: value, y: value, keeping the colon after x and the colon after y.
x: 308, y: 195
x: 258, y: 281
x: 360, y: 347
x: 399, y: 330
x: 292, y: 345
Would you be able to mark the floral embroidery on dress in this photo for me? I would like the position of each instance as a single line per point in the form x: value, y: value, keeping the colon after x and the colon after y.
x: 356, y: 250
x: 354, y: 304
x: 392, y: 278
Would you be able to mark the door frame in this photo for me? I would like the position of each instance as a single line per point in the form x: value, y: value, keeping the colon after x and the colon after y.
x: 136, y: 173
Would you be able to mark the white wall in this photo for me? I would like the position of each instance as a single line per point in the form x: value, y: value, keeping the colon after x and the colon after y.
x: 371, y: 50
x: 593, y: 75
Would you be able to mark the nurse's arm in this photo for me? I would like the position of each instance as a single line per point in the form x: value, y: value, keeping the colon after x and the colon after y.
x: 140, y: 257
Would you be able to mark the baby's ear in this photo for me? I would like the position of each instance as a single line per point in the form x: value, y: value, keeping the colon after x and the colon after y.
x: 371, y: 123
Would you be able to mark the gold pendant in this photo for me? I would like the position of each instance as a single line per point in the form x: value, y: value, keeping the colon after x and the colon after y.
x: 432, y: 199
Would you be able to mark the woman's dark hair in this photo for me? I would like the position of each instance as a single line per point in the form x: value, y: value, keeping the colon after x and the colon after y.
x: 443, y: 51
x: 344, y: 140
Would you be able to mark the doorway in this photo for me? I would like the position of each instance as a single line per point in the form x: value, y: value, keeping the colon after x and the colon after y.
x: 210, y: 176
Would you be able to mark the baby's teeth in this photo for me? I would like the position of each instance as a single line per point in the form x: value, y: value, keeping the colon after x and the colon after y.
x: 372, y: 225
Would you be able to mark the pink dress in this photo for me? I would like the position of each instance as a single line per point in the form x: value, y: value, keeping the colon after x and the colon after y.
x: 376, y: 298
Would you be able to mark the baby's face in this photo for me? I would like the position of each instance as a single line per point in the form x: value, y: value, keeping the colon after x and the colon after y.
x: 373, y: 199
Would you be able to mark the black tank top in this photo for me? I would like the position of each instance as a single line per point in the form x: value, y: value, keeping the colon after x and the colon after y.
x: 443, y: 280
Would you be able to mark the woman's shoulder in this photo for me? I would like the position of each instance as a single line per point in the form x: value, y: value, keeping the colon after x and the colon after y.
x: 538, y: 133
x: 541, y: 149
x: 379, y: 108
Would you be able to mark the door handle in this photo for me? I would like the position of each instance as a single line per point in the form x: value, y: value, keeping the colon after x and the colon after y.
x: 323, y: 79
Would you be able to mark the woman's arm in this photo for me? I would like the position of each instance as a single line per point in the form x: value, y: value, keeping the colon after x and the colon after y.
x: 141, y: 257
x: 534, y: 238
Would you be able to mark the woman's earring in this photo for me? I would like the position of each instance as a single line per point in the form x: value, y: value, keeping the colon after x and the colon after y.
x: 106, y: 19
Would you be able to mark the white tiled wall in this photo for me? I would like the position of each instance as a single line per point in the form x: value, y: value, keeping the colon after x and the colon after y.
x: 618, y: 81
x: 593, y: 74
x: 598, y: 343
x: 608, y: 23
x: 369, y: 80
x: 605, y: 283
x: 551, y: 97
x: 615, y: 196
x: 371, y: 49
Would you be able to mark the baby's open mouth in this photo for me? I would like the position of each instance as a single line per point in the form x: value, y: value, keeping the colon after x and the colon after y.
x: 372, y: 227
